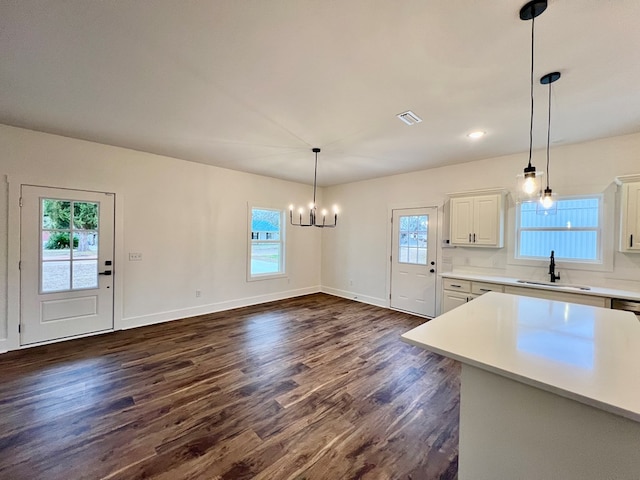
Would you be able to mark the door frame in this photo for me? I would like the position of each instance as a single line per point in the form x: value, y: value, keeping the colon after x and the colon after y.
x: 410, y: 205
x: 15, y: 183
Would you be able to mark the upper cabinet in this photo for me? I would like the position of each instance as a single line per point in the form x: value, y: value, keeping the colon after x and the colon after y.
x: 630, y: 213
x: 477, y: 219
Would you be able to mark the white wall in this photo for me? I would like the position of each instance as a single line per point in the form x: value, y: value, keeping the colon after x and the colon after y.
x: 190, y: 223
x: 359, y: 250
x: 188, y: 220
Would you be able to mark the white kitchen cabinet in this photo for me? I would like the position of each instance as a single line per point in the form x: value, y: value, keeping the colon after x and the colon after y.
x: 582, y: 299
x: 458, y: 292
x: 630, y: 213
x: 451, y: 300
x: 477, y: 219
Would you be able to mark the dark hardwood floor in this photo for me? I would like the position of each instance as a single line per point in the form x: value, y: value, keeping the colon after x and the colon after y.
x: 315, y: 387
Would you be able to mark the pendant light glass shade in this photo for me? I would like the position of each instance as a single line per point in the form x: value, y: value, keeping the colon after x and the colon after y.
x: 546, y: 197
x: 529, y: 183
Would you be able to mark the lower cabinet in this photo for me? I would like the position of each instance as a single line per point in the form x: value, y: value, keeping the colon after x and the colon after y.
x: 582, y: 299
x: 458, y: 292
x: 451, y: 300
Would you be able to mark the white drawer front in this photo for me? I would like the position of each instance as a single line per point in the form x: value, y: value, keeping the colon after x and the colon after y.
x: 480, y: 287
x: 457, y: 285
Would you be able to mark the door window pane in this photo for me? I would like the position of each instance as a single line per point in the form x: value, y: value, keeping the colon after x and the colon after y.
x: 72, y: 239
x: 412, y: 240
x: 55, y: 245
x: 85, y: 274
x: 56, y: 276
x: 85, y: 215
x: 85, y: 245
x: 56, y: 214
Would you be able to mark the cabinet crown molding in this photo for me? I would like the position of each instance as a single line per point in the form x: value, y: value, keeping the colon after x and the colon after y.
x: 486, y: 191
x: 621, y: 179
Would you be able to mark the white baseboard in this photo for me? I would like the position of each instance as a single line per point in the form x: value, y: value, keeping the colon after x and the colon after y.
x: 4, y: 347
x: 378, y: 302
x: 143, y: 320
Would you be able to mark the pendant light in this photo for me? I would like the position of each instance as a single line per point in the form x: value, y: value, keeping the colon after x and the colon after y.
x: 530, y: 178
x: 546, y: 199
x: 313, y: 219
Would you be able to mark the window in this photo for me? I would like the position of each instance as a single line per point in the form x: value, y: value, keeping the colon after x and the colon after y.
x: 266, y: 252
x: 412, y: 241
x: 69, y: 253
x: 572, y: 230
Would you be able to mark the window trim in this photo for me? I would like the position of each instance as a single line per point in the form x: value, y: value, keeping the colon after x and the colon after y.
x: 282, y: 242
x: 606, y: 219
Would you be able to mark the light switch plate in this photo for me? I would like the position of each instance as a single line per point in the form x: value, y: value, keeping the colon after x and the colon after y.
x: 135, y: 257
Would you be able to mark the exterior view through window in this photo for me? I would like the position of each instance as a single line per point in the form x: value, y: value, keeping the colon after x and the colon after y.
x: 412, y: 241
x: 267, y: 242
x: 69, y: 253
x: 572, y: 230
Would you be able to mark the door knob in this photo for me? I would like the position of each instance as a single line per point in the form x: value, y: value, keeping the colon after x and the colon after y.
x: 106, y: 272
x: 432, y: 270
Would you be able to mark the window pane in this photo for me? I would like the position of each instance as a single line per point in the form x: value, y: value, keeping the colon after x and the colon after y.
x: 265, y: 222
x: 266, y: 242
x: 265, y: 258
x: 56, y: 276
x: 56, y: 214
x: 575, y: 213
x: 55, y: 245
x: 85, y: 274
x: 574, y: 245
x: 85, y: 216
x: 85, y: 245
x: 412, y: 240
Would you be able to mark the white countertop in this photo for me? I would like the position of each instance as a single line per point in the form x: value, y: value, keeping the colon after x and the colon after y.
x: 588, y: 354
x: 594, y: 291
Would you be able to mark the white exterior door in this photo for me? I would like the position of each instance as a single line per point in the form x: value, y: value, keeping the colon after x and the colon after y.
x: 413, y: 260
x: 66, y: 263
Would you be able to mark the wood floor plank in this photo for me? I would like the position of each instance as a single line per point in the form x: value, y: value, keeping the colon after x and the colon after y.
x: 315, y: 387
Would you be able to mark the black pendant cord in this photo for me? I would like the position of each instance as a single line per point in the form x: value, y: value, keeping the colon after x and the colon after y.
x: 548, y: 136
x: 533, y: 23
x: 315, y: 176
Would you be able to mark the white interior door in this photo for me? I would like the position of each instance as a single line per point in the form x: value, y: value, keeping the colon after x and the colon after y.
x: 413, y: 260
x: 66, y: 263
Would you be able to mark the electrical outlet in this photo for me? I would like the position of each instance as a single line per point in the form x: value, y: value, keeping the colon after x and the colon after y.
x: 198, y: 293
x: 135, y: 257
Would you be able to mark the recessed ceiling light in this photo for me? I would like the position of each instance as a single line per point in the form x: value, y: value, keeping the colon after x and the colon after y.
x: 477, y: 134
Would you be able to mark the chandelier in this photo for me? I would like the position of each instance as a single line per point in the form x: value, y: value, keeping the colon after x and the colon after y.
x: 312, y: 215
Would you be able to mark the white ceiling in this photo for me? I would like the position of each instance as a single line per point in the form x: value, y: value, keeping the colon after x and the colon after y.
x: 252, y: 85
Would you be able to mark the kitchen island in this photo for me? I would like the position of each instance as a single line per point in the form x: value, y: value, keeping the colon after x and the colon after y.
x: 549, y: 390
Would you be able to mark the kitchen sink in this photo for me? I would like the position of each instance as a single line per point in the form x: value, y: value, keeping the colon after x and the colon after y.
x: 556, y: 284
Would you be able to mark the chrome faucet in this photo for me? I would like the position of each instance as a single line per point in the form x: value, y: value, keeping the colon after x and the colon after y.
x: 552, y: 269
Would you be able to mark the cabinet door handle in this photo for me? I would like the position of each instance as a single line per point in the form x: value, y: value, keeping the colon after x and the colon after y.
x: 474, y: 238
x: 469, y: 238
x: 631, y: 240
x: 485, y: 290
x: 455, y: 286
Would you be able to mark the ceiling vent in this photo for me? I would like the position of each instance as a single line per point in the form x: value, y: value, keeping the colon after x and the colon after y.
x: 409, y: 117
